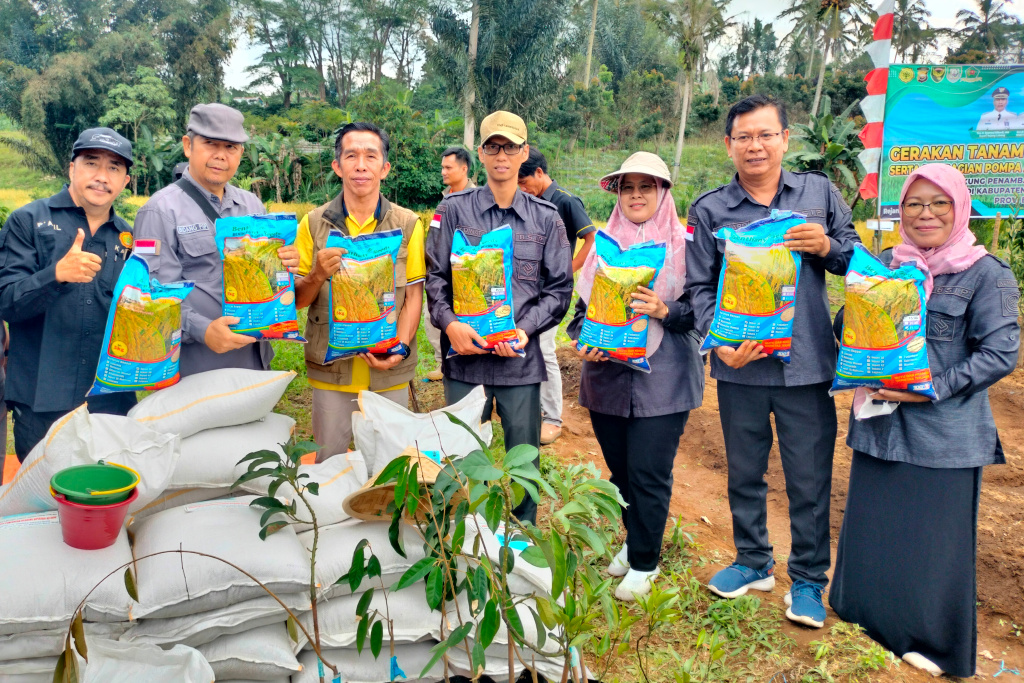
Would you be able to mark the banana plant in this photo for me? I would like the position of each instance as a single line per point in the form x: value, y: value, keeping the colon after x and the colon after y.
x: 829, y: 144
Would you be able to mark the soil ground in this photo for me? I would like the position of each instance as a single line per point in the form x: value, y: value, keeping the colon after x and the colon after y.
x: 699, y: 496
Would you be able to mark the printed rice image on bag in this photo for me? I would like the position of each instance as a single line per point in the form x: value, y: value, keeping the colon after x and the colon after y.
x: 258, y: 289
x: 142, y: 340
x: 362, y: 296
x: 757, y: 286
x: 611, y: 325
x: 884, y: 343
x: 482, y: 286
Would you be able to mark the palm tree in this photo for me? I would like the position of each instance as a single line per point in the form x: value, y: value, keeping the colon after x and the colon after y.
x: 837, y: 17
x: 805, y: 31
x: 988, y: 25
x: 469, y: 94
x: 695, y: 25
x: 590, y: 43
x: 909, y: 25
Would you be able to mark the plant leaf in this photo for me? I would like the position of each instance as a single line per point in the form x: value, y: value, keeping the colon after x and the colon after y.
x: 469, y: 429
x: 271, y: 529
x: 493, y: 508
x: 58, y: 671
x: 313, y: 488
x: 268, y: 502
x: 394, y: 532
x: 373, y: 567
x: 558, y: 570
x: 364, y: 603
x: 479, y: 467
x: 520, y: 455
x: 488, y: 626
x: 376, y: 638
x: 259, y: 454
x: 459, y: 634
x: 361, y: 631
x: 435, y: 587
x: 129, y: 584
x: 293, y: 630
x: 438, y: 651
x: 414, y: 573
x: 535, y: 556
x: 255, y: 474
x: 78, y: 635
x: 391, y: 470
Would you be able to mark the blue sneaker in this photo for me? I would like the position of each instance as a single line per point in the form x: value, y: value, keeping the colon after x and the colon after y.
x: 804, y: 605
x: 735, y: 580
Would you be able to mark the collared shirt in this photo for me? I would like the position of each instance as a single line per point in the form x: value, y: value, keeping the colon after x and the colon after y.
x: 448, y: 190
x: 813, y: 355
x: 188, y: 252
x: 570, y: 208
x: 973, y: 340
x: 541, y: 279
x: 997, y: 120
x: 415, y: 272
x: 57, y: 328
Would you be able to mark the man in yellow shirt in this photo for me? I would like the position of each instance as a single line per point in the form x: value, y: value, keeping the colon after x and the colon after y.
x: 361, y: 161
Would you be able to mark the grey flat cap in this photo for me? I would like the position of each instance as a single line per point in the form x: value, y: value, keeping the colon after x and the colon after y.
x: 217, y: 122
x: 103, y: 138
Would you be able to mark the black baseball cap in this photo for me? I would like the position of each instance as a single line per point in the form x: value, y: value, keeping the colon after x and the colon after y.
x: 1000, y: 91
x: 104, y: 138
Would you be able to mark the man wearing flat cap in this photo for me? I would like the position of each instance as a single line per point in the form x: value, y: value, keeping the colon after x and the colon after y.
x: 541, y: 287
x: 181, y: 219
x: 1000, y: 118
x: 59, y: 260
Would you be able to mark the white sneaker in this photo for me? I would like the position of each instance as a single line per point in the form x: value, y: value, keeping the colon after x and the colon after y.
x: 636, y: 584
x: 921, y: 662
x: 619, y: 564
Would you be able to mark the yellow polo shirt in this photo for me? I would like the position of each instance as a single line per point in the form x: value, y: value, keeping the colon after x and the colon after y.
x: 415, y: 271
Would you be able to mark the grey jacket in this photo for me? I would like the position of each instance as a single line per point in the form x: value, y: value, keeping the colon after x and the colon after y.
x: 188, y: 252
x: 973, y: 339
x: 813, y: 356
x: 541, y: 278
x: 674, y: 385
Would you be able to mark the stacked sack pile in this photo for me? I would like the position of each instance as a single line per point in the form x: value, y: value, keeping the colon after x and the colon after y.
x: 197, y: 618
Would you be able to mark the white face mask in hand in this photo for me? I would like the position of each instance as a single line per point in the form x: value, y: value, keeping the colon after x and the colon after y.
x: 865, y: 406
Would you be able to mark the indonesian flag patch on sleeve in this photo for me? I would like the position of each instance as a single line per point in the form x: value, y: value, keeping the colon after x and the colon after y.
x: 435, y: 222
x: 691, y: 225
x: 147, y: 247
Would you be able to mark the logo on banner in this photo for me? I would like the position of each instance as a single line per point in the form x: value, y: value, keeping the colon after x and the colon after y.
x: 972, y: 75
x: 922, y: 74
x: 906, y: 74
x: 937, y: 73
x: 953, y: 75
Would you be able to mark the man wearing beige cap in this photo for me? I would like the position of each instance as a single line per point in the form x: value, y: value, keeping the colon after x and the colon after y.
x: 541, y: 286
x: 181, y: 218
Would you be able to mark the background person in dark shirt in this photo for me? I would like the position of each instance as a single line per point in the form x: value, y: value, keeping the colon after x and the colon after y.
x: 59, y: 260
x: 534, y: 179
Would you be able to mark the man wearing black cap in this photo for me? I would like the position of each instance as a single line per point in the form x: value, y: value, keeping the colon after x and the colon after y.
x: 999, y: 118
x: 59, y: 260
x: 181, y: 218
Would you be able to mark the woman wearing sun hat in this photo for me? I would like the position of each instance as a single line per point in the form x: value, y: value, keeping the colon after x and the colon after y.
x: 905, y: 568
x: 638, y: 418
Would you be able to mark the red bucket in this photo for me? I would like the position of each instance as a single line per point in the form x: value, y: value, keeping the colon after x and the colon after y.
x: 91, y: 527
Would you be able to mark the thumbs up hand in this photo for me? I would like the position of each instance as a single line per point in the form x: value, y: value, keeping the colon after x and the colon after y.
x: 78, y: 265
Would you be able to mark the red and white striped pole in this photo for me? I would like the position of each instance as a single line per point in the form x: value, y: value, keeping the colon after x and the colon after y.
x: 873, y: 105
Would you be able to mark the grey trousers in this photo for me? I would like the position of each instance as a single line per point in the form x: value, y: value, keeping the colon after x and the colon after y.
x: 551, y: 391
x: 519, y: 410
x: 434, y: 337
x: 332, y: 417
x: 805, y: 421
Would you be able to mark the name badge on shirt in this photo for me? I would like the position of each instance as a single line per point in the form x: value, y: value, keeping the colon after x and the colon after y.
x: 193, y: 228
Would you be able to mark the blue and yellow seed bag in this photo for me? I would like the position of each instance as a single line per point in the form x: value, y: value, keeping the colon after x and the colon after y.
x: 757, y: 286
x: 363, y: 318
x: 611, y: 325
x: 142, y: 340
x: 482, y: 286
x: 884, y: 343
x: 258, y: 289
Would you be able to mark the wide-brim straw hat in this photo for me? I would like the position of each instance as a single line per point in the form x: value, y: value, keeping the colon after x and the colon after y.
x: 370, y: 502
x: 638, y: 162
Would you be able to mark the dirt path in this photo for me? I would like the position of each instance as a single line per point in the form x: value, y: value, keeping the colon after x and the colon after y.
x: 700, y: 496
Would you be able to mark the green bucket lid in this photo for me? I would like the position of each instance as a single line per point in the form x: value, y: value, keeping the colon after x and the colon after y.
x: 99, y: 484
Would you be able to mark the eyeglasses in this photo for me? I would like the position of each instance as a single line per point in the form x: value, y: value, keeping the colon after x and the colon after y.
x: 492, y: 148
x: 939, y: 207
x: 763, y: 138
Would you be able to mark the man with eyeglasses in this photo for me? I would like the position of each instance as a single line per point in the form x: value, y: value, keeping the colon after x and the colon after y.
x: 753, y: 387
x: 541, y: 286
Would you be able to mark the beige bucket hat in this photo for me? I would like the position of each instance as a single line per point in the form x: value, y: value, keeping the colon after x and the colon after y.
x: 370, y: 502
x: 638, y: 162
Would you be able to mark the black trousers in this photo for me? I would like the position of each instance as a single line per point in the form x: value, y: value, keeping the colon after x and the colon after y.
x: 30, y: 426
x: 519, y: 410
x: 640, y: 452
x: 805, y: 422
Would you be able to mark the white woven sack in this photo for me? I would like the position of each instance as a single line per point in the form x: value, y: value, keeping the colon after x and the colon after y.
x: 172, y: 498
x: 263, y: 653
x: 363, y: 668
x: 337, y: 544
x: 337, y: 476
x: 396, y: 428
x: 216, y: 398
x: 210, y: 458
x: 228, y: 529
x: 80, y: 438
x: 205, y: 627
x: 28, y: 669
x: 50, y: 642
x: 414, y: 621
x: 42, y: 580
x: 114, y: 662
